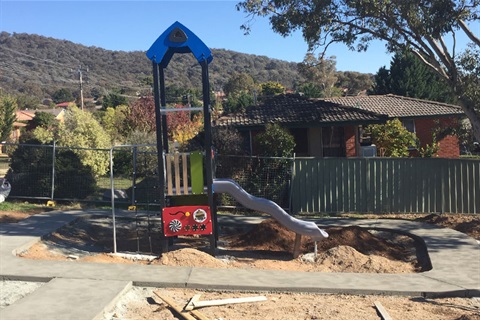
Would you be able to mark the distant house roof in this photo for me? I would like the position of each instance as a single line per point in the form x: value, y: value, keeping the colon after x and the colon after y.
x: 63, y: 104
x: 55, y: 111
x: 397, y: 106
x: 24, y: 116
x: 297, y: 111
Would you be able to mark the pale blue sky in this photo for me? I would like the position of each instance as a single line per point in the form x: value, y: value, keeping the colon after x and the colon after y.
x: 135, y: 25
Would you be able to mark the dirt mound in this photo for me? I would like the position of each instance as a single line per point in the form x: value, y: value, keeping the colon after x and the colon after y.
x: 469, y: 224
x: 267, y: 246
x: 267, y: 235
x: 347, y: 259
x: 271, y: 235
x: 363, y: 241
x: 188, y: 257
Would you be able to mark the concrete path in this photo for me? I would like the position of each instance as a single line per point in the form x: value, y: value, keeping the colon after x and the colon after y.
x: 77, y: 290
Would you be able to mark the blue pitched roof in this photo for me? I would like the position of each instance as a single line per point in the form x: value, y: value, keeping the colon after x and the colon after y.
x: 178, y: 39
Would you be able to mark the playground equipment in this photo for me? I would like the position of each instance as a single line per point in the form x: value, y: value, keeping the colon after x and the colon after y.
x: 187, y: 184
x: 192, y: 211
x: 306, y: 228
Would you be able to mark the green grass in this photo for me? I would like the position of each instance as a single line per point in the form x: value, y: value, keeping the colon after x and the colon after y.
x: 119, y: 183
x: 19, y: 206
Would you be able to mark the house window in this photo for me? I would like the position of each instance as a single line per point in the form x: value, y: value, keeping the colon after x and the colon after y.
x: 409, y: 124
x: 333, y: 142
x: 301, y: 141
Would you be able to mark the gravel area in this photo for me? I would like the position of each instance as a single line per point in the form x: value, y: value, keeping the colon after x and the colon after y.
x: 11, y: 291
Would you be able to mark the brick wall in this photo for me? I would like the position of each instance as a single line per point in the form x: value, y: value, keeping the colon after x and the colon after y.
x: 350, y: 144
x: 449, y: 145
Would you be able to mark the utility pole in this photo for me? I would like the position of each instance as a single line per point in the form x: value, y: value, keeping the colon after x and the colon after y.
x: 81, y: 84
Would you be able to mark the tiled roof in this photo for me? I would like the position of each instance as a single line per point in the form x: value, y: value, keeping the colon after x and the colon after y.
x: 296, y: 111
x: 24, y: 115
x: 397, y: 106
x: 55, y: 111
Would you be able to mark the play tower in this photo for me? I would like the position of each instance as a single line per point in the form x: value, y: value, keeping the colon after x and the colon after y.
x: 186, y: 184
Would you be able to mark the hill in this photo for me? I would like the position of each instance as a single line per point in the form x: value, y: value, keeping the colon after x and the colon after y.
x: 38, y: 66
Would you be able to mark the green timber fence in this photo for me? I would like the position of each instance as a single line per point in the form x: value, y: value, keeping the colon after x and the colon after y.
x: 383, y: 185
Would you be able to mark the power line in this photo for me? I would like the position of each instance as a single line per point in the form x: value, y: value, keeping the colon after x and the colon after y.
x: 36, y: 58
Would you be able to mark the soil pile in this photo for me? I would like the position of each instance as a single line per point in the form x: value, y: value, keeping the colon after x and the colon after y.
x: 267, y: 246
x: 271, y: 235
x: 347, y: 259
x: 469, y: 224
x: 188, y: 257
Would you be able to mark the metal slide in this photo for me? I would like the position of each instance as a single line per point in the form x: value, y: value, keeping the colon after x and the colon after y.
x: 305, y: 228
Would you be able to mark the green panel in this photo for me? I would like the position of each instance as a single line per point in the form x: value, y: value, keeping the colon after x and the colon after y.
x: 196, y: 172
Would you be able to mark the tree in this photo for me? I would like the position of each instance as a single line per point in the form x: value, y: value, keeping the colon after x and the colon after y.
x: 311, y: 90
x: 141, y: 116
x: 238, y: 102
x: 271, y: 88
x: 114, y: 99
x: 409, y: 77
x: 275, y: 142
x: 115, y: 124
x: 181, y: 126
x: 393, y: 138
x: 239, y: 82
x: 419, y: 25
x: 321, y: 72
x: 81, y: 130
x: 227, y: 141
x: 43, y: 119
x: 352, y: 83
x: 74, y: 180
x: 382, y: 82
x: 8, y: 107
x: 62, y: 95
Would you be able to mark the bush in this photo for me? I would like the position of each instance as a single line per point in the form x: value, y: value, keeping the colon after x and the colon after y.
x: 73, y: 180
x: 30, y: 173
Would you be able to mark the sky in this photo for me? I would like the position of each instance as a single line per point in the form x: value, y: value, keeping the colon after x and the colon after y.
x: 135, y: 25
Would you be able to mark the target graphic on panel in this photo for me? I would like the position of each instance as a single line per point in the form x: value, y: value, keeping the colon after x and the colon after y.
x: 186, y: 220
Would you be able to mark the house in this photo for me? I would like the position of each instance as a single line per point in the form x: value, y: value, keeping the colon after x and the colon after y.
x: 23, y: 116
x: 59, y: 113
x: 421, y: 117
x: 332, y: 127
x: 320, y: 128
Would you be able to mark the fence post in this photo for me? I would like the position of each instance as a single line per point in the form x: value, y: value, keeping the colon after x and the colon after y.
x: 53, y: 171
x: 134, y: 177
x: 112, y: 195
x: 292, y: 177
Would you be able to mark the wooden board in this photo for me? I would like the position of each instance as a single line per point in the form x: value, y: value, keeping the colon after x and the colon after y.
x: 168, y: 160
x: 176, y: 163
x: 383, y: 313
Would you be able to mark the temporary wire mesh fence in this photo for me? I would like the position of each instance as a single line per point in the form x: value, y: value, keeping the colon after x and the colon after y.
x: 82, y: 174
x: 263, y: 177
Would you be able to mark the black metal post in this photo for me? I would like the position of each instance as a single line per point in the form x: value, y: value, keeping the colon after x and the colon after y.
x: 208, y: 152
x: 163, y: 101
x: 160, y: 159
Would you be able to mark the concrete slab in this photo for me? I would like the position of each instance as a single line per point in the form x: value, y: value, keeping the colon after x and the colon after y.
x: 454, y: 256
x: 62, y: 299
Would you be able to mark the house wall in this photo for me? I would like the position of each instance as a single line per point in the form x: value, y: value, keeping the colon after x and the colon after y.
x: 350, y: 142
x: 449, y: 145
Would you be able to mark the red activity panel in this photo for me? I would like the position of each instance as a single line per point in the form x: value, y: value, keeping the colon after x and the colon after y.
x: 186, y: 220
